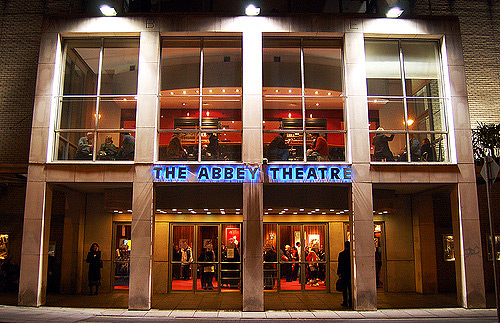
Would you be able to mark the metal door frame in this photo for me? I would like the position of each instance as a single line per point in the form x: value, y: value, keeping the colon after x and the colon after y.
x: 195, y: 256
x: 303, y: 262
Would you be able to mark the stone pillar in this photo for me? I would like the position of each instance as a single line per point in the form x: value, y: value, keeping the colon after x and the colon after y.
x: 35, y: 247
x: 468, y: 255
x: 361, y: 216
x: 253, y: 278
x: 425, y: 248
x: 73, y: 243
x: 141, y: 256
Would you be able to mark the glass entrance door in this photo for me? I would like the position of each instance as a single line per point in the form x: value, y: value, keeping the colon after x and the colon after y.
x: 295, y: 257
x: 123, y: 246
x: 205, y: 257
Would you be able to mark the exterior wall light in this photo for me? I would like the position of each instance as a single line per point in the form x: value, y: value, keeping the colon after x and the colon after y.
x: 107, y: 10
x: 252, y: 10
x: 394, y: 12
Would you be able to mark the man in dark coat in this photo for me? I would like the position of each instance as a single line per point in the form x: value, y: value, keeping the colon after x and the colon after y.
x: 381, y: 145
x: 278, y: 148
x: 344, y: 273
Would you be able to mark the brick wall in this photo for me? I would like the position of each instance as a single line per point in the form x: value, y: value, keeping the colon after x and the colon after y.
x: 479, y: 25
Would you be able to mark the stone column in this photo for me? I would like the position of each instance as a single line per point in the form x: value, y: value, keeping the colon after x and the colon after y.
x: 465, y: 210
x: 253, y: 278
x: 33, y: 274
x: 425, y: 249
x: 34, y: 253
x: 361, y: 216
x: 468, y: 255
x: 141, y: 256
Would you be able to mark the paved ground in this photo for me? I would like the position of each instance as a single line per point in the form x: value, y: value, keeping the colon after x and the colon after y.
x: 232, y: 301
x: 67, y: 314
x: 226, y: 307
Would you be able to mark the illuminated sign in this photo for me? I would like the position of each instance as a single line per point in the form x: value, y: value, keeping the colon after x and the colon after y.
x: 274, y: 173
x: 305, y: 173
x: 206, y: 173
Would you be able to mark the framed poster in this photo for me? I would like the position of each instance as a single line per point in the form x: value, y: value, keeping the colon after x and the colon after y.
x: 4, y: 246
x: 232, y: 236
x: 497, y: 247
x: 448, y: 247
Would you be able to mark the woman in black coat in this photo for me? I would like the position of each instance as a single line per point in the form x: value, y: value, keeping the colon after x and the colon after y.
x: 95, y: 265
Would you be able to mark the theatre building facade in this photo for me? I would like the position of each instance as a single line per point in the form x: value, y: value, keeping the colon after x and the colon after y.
x: 217, y: 154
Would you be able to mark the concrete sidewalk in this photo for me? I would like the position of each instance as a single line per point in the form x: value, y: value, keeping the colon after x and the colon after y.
x: 65, y: 314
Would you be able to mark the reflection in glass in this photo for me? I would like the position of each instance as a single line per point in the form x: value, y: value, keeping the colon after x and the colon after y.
x: 421, y: 66
x: 82, y: 67
x: 120, y: 66
x: 322, y: 66
x: 426, y: 114
x: 281, y: 63
x: 383, y: 70
x: 222, y: 64
x: 77, y: 113
x: 180, y: 57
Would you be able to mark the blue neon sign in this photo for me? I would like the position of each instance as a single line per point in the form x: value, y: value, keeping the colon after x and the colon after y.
x: 206, y: 173
x: 275, y: 173
x: 309, y: 174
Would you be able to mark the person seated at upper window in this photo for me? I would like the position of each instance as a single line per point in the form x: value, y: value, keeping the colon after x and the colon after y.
x: 381, y: 145
x: 428, y: 151
x: 278, y: 148
x: 213, y: 146
x: 128, y: 148
x: 319, y: 150
x: 85, y: 147
x: 175, y: 151
x: 108, y: 150
x: 415, y: 150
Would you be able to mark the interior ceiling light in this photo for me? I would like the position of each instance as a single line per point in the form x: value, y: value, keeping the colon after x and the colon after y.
x: 252, y: 10
x: 107, y: 10
x: 394, y: 12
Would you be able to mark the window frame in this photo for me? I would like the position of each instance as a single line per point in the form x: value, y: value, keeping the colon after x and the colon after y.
x: 303, y: 97
x: 200, y: 130
x: 443, y: 98
x: 98, y: 97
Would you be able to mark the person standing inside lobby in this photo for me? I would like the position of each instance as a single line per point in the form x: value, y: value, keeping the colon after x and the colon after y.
x: 381, y: 144
x: 95, y: 265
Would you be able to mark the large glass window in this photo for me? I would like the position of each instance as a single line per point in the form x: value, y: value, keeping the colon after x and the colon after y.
x: 96, y: 119
x: 200, y: 99
x: 406, y: 101
x: 303, y: 100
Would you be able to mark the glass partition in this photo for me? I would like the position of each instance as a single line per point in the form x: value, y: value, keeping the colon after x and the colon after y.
x: 98, y: 97
x: 204, y: 106
x: 406, y: 103
x: 302, y: 91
